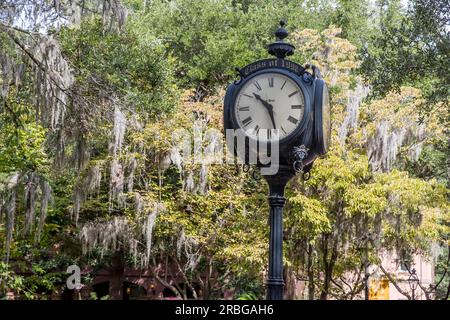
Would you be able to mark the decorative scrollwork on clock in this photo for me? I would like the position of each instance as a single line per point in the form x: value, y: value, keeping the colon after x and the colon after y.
x: 239, y: 76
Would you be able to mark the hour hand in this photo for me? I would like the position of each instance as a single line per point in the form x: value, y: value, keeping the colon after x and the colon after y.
x: 267, y: 105
x: 258, y: 97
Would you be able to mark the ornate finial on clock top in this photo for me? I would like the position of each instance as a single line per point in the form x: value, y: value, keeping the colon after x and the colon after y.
x: 279, y: 48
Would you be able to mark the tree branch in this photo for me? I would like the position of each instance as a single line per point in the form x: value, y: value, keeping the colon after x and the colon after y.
x: 14, y: 115
x: 445, y: 270
x: 186, y: 280
x: 162, y: 281
x: 31, y: 56
x: 394, y: 282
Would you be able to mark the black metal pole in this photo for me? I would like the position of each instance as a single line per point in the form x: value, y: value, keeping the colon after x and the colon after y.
x: 275, y: 283
x: 277, y: 183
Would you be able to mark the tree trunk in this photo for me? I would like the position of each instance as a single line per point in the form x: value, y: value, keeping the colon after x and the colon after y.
x: 328, y: 265
x: 290, y: 284
x: 115, y: 284
x: 326, y: 285
x: 326, y: 281
x: 310, y: 272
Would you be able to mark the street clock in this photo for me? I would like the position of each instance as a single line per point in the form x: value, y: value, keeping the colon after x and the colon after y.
x: 279, y: 105
x: 279, y: 101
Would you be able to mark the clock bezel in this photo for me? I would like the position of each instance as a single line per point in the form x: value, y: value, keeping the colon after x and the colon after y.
x: 301, y: 127
x: 319, y: 137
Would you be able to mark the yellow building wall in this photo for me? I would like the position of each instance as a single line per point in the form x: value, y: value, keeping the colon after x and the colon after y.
x: 379, y: 289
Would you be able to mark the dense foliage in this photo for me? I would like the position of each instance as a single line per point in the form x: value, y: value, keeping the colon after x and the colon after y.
x: 92, y: 172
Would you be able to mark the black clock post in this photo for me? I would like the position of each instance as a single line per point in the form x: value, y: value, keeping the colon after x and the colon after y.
x: 277, y: 184
x: 300, y: 111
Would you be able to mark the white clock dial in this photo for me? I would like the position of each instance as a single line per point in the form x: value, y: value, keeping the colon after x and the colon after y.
x: 269, y: 101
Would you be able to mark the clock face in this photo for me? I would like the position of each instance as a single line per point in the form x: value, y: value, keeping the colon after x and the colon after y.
x: 269, y: 101
x: 326, y: 118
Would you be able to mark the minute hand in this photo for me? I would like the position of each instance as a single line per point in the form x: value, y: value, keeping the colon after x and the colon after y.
x: 269, y: 108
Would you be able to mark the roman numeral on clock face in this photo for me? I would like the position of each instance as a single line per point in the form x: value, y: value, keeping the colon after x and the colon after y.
x: 256, y: 130
x: 293, y: 93
x: 247, y: 121
x: 296, y: 106
x: 293, y: 120
x: 270, y: 82
x: 257, y: 85
x: 244, y: 108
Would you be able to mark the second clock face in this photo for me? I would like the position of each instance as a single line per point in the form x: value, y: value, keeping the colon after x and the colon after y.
x: 269, y: 101
x: 326, y: 118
